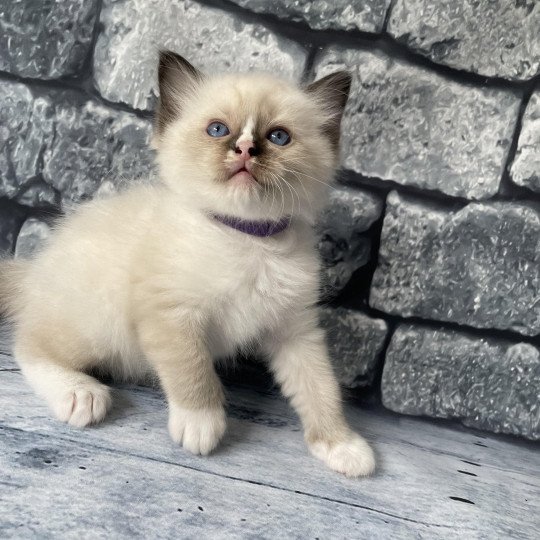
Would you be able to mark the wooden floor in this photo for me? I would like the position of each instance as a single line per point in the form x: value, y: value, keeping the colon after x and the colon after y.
x: 126, y: 478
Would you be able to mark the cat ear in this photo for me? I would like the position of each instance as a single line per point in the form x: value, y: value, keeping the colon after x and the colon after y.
x: 332, y: 93
x: 176, y: 78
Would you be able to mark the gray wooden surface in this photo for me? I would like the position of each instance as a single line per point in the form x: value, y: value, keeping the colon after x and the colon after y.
x: 126, y: 478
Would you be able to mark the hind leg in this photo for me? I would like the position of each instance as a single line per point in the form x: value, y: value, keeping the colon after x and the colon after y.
x: 73, y: 396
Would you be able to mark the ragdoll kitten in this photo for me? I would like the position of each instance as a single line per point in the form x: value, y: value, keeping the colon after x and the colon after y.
x: 217, y: 257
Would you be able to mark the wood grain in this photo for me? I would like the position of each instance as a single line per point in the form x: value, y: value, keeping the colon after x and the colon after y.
x: 126, y: 478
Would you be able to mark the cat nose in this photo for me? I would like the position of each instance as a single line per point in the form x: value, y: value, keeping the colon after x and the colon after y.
x: 246, y: 149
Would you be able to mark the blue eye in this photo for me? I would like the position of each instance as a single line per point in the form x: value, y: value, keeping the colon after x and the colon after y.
x: 279, y: 137
x: 217, y: 129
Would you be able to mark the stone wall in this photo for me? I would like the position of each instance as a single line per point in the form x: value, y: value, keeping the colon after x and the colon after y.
x: 431, y: 240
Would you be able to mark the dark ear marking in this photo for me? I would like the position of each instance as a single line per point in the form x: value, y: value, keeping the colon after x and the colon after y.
x: 332, y: 92
x: 176, y: 76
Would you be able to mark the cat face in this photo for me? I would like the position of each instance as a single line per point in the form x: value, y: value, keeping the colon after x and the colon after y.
x: 249, y: 145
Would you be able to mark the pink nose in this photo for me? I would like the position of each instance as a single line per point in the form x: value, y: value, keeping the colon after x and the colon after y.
x: 246, y: 149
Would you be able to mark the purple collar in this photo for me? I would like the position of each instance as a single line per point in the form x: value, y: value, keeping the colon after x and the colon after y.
x: 254, y: 228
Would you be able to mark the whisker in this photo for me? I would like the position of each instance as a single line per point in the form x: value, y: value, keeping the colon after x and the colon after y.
x: 291, y: 188
x: 292, y: 195
x: 303, y: 173
x: 310, y: 177
x: 282, y: 210
x: 277, y: 184
x: 273, y: 186
x: 273, y: 196
x: 293, y: 192
x: 308, y: 199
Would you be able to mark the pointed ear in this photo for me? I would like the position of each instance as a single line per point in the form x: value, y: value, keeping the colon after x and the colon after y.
x: 176, y: 78
x: 332, y: 93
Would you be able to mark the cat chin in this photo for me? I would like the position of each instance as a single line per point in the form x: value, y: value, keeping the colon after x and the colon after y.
x: 242, y: 202
x: 242, y: 180
x: 239, y: 197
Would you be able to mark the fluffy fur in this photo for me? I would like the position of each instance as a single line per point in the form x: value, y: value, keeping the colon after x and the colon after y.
x: 147, y: 284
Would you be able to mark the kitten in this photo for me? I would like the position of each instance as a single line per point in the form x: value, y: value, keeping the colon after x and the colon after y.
x: 216, y: 257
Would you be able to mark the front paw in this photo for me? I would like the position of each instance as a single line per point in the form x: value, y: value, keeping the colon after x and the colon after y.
x: 351, y: 457
x: 197, y: 430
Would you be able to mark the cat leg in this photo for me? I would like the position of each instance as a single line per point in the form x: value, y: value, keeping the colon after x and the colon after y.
x: 300, y: 363
x: 73, y: 396
x: 186, y: 371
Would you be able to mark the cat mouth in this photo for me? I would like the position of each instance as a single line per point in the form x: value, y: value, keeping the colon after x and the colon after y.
x: 242, y: 176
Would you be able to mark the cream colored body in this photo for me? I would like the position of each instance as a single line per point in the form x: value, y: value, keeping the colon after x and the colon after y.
x: 104, y: 258
x: 147, y: 284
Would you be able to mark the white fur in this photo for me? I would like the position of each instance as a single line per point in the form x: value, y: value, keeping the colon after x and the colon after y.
x: 353, y: 457
x: 147, y: 283
x: 74, y: 397
x: 247, y: 131
x: 198, y: 431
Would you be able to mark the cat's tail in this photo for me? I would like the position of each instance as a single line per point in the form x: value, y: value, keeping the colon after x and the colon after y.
x: 11, y: 275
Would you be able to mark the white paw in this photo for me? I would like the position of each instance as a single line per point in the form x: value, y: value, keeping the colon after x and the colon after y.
x: 84, y: 405
x: 352, y: 457
x: 198, y: 431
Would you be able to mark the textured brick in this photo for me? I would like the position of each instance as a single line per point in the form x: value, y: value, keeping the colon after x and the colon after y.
x: 526, y: 167
x: 46, y: 39
x: 365, y: 15
x: 413, y: 126
x: 38, y: 194
x: 93, y: 143
x: 11, y: 220
x: 343, y: 244
x: 497, y: 38
x: 25, y: 128
x: 56, y: 147
x: 486, y: 383
x: 479, y: 265
x: 209, y: 38
x: 355, y: 342
x: 31, y: 237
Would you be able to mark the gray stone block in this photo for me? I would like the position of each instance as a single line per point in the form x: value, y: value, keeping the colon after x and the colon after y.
x: 26, y: 126
x: 355, y: 342
x: 211, y: 39
x: 93, y: 144
x: 343, y: 244
x: 11, y: 220
x: 497, y: 38
x: 38, y: 194
x: 57, y: 143
x: 46, y: 39
x: 525, y: 170
x: 413, y: 126
x: 478, y: 266
x: 486, y: 383
x: 365, y: 15
x: 31, y: 237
